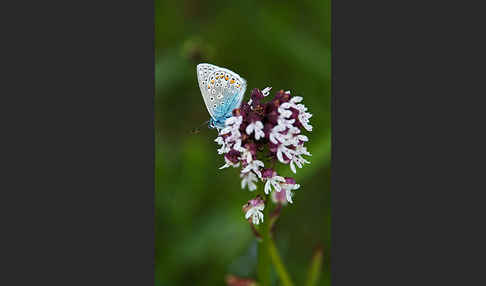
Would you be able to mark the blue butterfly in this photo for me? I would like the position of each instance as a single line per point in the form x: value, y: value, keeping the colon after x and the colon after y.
x: 222, y: 91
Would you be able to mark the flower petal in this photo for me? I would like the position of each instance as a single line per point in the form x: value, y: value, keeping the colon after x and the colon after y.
x: 268, y: 189
x: 292, y: 167
x: 250, y: 128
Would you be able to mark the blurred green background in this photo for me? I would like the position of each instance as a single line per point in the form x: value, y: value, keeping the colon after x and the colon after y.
x: 201, y: 234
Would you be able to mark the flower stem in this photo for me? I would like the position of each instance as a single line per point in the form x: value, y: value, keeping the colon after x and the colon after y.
x: 264, y: 261
x: 279, y: 266
x: 315, y: 268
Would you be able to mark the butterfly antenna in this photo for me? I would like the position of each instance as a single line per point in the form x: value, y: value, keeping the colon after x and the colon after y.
x: 198, y: 129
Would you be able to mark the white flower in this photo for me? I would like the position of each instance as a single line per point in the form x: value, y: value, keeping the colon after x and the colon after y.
x: 286, y: 193
x: 225, y: 130
x: 292, y: 136
x: 288, y: 123
x: 301, y: 150
x: 297, y: 158
x: 249, y: 179
x: 299, y: 161
x: 273, y: 182
x: 224, y: 148
x: 256, y: 127
x: 266, y: 91
x: 282, y: 197
x: 235, y: 135
x: 237, y: 146
x: 289, y: 188
x: 296, y: 138
x: 279, y: 197
x: 275, y: 135
x: 304, y: 117
x: 219, y: 140
x: 229, y: 164
x: 295, y: 99
x: 234, y: 120
x: 233, y: 140
x: 256, y: 214
x: 232, y: 125
x: 284, y: 111
x: 246, y: 155
x: 281, y: 150
x: 254, y: 210
x: 254, y: 166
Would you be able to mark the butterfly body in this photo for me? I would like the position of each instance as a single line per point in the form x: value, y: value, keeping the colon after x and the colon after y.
x: 222, y: 91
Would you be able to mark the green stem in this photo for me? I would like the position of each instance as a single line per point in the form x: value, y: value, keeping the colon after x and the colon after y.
x: 264, y: 262
x: 315, y: 268
x: 279, y: 266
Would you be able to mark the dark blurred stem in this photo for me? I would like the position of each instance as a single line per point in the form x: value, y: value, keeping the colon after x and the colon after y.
x: 255, y: 232
x: 264, y: 262
x: 274, y: 217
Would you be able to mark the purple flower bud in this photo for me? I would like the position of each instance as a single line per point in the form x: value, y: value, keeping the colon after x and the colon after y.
x: 244, y: 163
x: 253, y: 116
x: 278, y: 94
x: 256, y: 95
x: 259, y: 108
x: 285, y: 98
x: 290, y: 181
x: 233, y: 156
x: 243, y: 126
x: 245, y: 109
x: 267, y: 128
x: 272, y: 147
x: 285, y: 157
x: 295, y: 115
x: 270, y: 107
x: 268, y: 173
x: 244, y: 137
x: 272, y: 117
x: 252, y: 147
x: 257, y: 201
x: 279, y: 197
x: 282, y: 97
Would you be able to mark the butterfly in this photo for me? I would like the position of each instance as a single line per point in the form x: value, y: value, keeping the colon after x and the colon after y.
x: 222, y: 91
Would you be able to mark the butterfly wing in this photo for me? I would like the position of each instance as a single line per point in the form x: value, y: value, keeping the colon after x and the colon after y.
x: 222, y: 89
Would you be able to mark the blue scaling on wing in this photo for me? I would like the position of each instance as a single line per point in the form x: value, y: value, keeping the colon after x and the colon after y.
x: 225, y: 111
